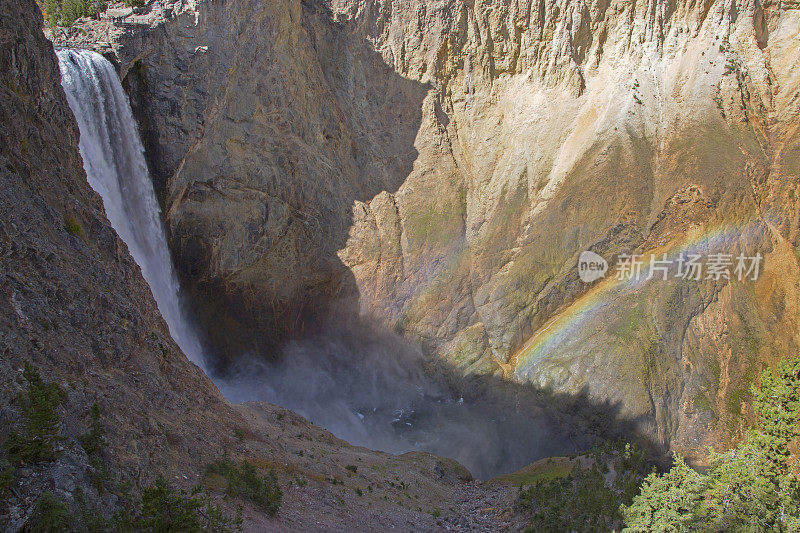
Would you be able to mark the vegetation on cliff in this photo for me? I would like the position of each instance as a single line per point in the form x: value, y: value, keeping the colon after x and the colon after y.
x: 160, y: 508
x: 589, y: 496
x: 93, y: 443
x: 753, y: 487
x: 66, y: 12
x: 41, y: 431
x: 244, y: 481
x: 166, y: 509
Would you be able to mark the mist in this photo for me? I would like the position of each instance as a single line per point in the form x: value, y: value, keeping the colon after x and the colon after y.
x: 373, y: 388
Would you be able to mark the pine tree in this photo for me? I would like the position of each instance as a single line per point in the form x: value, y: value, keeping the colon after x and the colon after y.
x: 668, y: 502
x: 750, y: 488
x: 52, y: 12
x: 72, y: 10
x: 744, y: 491
x: 42, y: 422
x: 49, y: 515
x: 66, y: 12
x: 777, y: 404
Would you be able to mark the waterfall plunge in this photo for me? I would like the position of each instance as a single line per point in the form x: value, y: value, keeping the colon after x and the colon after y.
x: 113, y: 157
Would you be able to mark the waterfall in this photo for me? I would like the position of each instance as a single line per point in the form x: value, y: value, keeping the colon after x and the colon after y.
x: 113, y: 157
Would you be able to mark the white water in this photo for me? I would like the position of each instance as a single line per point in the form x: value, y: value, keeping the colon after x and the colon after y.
x: 113, y: 157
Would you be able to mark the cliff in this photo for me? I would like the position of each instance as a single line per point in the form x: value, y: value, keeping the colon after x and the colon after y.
x: 440, y: 165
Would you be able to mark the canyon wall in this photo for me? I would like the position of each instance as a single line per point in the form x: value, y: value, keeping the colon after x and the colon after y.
x: 439, y: 165
x: 73, y: 302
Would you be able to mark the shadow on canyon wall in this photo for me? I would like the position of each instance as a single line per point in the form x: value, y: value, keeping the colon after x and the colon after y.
x: 312, y: 352
x: 369, y: 120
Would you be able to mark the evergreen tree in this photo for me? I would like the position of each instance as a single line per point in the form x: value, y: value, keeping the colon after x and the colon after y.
x: 66, y: 12
x: 38, y: 440
x: 751, y: 488
x: 746, y: 491
x: 50, y: 515
x: 588, y: 499
x: 777, y: 404
x: 668, y: 502
x: 167, y: 510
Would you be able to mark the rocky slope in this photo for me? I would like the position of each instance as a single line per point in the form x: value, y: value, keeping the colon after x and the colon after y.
x: 74, y: 303
x: 440, y: 164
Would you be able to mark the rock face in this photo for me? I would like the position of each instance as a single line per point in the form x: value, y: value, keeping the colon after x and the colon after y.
x: 439, y: 165
x: 72, y: 300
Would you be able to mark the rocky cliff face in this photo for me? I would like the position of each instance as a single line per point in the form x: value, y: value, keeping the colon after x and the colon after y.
x: 73, y: 301
x: 439, y: 165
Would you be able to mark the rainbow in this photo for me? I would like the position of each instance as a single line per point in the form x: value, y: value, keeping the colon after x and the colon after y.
x: 572, y: 322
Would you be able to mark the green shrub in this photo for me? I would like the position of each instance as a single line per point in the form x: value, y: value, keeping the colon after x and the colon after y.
x: 167, y: 510
x: 41, y: 434
x: 584, y: 500
x: 49, y: 515
x: 244, y: 481
x: 579, y: 502
x: 93, y: 444
x: 351, y: 468
x: 73, y: 227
